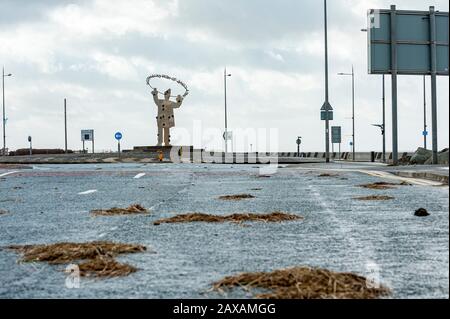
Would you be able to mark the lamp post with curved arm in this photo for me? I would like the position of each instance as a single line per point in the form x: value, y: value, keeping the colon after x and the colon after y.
x: 4, y: 114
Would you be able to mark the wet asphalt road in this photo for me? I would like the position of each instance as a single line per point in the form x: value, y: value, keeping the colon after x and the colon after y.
x: 44, y: 204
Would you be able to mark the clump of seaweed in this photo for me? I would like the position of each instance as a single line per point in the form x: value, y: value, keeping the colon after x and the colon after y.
x: 374, y: 198
x: 98, y: 257
x: 305, y: 283
x: 384, y: 185
x: 236, y: 197
x: 328, y: 175
x: 105, y: 267
x: 275, y: 217
x: 132, y: 210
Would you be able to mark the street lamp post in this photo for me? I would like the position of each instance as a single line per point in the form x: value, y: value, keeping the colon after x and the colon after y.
x: 4, y: 114
x: 225, y: 75
x: 327, y: 109
x: 383, y: 126
x: 353, y: 108
x: 425, y: 127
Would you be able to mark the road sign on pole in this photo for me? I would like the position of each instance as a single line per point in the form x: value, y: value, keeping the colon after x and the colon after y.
x: 118, y: 136
x: 87, y: 135
x: 336, y: 136
x: 31, y: 147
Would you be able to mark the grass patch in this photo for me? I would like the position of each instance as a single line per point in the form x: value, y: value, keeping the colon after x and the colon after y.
x: 97, y: 258
x: 132, y: 210
x: 236, y: 197
x: 304, y: 283
x: 275, y: 217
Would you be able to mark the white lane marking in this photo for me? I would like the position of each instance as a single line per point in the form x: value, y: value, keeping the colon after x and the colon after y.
x: 380, y: 174
x: 366, y: 252
x: 415, y: 181
x: 91, y: 191
x: 139, y: 175
x: 41, y: 168
x: 8, y: 173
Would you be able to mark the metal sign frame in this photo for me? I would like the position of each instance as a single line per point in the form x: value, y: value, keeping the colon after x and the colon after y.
x: 88, y: 135
x: 433, y: 39
x: 413, y: 39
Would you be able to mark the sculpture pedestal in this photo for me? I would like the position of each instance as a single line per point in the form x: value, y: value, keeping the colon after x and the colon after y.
x: 175, y: 153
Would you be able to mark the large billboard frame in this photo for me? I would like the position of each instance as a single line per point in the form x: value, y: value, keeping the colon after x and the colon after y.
x: 413, y: 40
x: 416, y: 35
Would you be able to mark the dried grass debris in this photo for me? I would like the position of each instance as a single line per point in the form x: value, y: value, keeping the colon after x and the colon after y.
x: 380, y: 185
x: 236, y: 197
x: 304, y: 283
x: 375, y: 198
x: 105, y: 267
x: 132, y: 210
x: 95, y: 258
x: 275, y: 217
x: 328, y: 175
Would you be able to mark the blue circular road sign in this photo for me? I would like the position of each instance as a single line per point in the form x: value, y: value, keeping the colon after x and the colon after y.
x: 118, y: 136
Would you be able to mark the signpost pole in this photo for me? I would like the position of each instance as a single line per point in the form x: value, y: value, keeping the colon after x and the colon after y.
x: 394, y: 85
x: 118, y: 148
x: 65, y: 126
x: 433, y: 83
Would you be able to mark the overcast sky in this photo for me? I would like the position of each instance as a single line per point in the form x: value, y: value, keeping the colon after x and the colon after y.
x: 98, y: 54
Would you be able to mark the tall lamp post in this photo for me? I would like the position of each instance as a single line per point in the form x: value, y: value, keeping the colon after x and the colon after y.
x: 326, y: 110
x: 353, y: 108
x: 225, y: 75
x: 4, y: 114
x: 425, y: 127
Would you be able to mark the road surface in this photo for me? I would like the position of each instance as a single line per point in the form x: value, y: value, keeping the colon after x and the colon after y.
x: 49, y: 204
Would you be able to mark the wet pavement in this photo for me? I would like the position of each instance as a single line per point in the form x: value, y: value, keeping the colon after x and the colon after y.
x: 51, y: 203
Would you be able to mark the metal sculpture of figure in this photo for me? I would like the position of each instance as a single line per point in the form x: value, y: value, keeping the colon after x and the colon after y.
x: 165, y: 118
